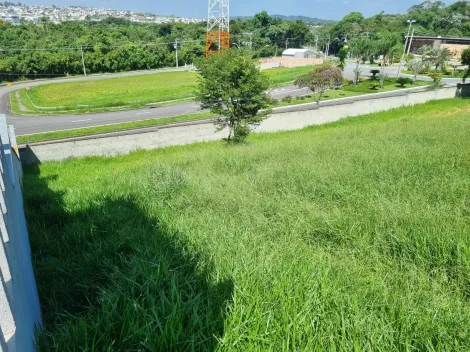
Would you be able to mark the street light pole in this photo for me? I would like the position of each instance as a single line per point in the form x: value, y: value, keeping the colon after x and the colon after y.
x: 83, y: 60
x: 406, y: 44
x: 287, y: 42
x: 176, y: 47
x: 411, y: 42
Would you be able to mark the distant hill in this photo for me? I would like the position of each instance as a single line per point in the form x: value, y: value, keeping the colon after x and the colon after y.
x: 309, y: 20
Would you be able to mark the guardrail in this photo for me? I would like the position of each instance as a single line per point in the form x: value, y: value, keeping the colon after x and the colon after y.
x: 20, y: 312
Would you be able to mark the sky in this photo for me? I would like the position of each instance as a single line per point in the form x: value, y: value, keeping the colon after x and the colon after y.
x: 325, y: 9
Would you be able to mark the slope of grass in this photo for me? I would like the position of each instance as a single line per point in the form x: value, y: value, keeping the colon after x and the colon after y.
x: 351, y: 236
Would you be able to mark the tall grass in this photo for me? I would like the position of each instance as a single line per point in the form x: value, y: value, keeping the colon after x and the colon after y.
x: 352, y: 236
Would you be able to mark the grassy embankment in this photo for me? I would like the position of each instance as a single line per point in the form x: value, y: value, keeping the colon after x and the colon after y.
x: 351, y: 236
x: 348, y: 91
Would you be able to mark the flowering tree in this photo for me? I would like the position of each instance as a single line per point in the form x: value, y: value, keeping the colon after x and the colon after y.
x: 321, y: 79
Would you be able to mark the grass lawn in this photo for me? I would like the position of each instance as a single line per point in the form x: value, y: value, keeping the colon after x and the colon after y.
x: 456, y: 74
x: 283, y: 76
x: 389, y: 85
x: 123, y: 93
x: 352, y: 236
x: 102, y: 95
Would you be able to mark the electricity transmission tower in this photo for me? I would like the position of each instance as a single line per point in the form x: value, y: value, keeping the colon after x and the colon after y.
x: 218, y: 26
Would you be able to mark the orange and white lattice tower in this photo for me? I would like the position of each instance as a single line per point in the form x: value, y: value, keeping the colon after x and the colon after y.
x: 218, y: 27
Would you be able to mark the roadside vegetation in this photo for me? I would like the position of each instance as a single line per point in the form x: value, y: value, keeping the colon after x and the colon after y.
x: 350, y: 90
x: 123, y: 93
x: 107, y: 94
x: 127, y: 126
x: 346, y: 236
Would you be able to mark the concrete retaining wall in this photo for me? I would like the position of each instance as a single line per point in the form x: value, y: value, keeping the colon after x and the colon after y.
x: 19, y: 303
x: 282, y: 119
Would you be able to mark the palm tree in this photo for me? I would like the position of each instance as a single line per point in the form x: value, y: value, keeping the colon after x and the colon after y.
x: 416, y: 66
x: 436, y: 56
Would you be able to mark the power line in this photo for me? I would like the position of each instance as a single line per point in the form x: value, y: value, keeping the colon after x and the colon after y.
x: 103, y: 46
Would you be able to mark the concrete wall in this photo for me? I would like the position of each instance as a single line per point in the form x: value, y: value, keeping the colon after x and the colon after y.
x: 19, y: 303
x: 290, y: 62
x: 282, y: 119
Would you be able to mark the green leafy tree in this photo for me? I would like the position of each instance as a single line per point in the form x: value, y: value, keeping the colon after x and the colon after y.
x: 436, y: 56
x: 321, y: 79
x: 416, y: 66
x: 465, y: 58
x: 232, y: 87
x: 342, y: 55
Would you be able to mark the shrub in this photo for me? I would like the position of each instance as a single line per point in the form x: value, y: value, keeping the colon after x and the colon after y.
x: 361, y: 79
x: 346, y: 82
x: 404, y: 80
x: 374, y: 72
x: 287, y: 99
x: 274, y: 102
x: 436, y: 80
x: 465, y: 59
x: 374, y: 85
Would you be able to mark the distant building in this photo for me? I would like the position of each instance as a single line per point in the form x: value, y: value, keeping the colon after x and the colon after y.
x: 298, y: 53
x: 14, y: 19
x: 455, y: 45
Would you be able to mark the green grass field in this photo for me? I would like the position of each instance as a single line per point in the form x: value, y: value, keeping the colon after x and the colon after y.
x: 284, y: 76
x: 352, y: 236
x: 453, y: 74
x: 123, y: 93
x: 112, y: 93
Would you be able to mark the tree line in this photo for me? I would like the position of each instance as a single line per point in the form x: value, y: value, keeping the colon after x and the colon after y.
x: 114, y: 45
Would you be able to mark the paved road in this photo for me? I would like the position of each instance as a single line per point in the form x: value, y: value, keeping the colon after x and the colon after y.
x: 37, y: 124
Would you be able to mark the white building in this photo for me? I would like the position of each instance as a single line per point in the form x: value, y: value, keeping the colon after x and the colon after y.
x: 298, y: 53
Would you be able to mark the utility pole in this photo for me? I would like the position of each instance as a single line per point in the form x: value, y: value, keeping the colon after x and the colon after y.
x: 406, y: 44
x: 176, y: 47
x: 316, y: 43
x: 250, y: 43
x: 411, y: 42
x: 83, y: 60
x: 287, y: 42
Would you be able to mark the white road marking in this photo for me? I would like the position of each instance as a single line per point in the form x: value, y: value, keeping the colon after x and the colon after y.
x: 144, y: 113
x: 80, y: 120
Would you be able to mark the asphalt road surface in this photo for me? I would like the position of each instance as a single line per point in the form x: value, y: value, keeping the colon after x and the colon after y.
x: 38, y: 124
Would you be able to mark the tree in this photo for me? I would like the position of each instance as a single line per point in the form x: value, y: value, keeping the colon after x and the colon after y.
x: 342, y: 55
x: 320, y: 79
x: 466, y: 61
x: 384, y: 45
x: 436, y: 56
x: 416, y: 66
x: 231, y: 86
